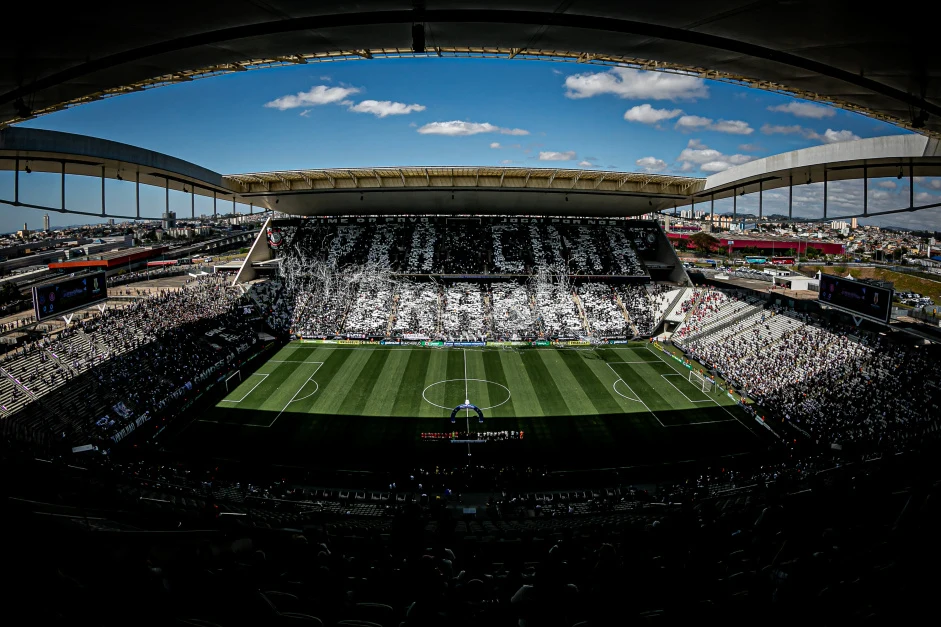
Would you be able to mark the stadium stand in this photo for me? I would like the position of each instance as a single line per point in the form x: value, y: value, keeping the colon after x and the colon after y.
x: 352, y: 280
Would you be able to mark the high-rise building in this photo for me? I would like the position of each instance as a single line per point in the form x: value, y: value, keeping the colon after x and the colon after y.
x: 169, y: 220
x: 45, y: 222
x: 854, y: 224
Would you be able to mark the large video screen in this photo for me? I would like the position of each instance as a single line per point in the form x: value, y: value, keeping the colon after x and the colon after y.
x: 856, y: 298
x: 54, y: 299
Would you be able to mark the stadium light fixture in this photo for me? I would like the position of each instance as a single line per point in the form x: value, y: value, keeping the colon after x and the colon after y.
x: 900, y: 173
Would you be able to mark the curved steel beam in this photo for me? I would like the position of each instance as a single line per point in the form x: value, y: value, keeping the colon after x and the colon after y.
x: 466, y: 16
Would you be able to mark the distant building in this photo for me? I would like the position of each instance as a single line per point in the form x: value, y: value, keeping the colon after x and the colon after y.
x: 854, y: 224
x: 169, y: 220
x: 46, y: 222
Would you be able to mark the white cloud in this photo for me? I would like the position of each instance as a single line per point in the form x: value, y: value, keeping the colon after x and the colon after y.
x: 715, y: 166
x: 458, y: 128
x: 934, y: 183
x: 548, y: 155
x: 584, y: 164
x: 926, y: 198
x: 319, y: 95
x: 646, y: 114
x: 734, y: 127
x: 382, y: 108
x: 827, y: 137
x: 651, y: 164
x: 879, y: 195
x: 506, y: 161
x: 749, y: 147
x: 775, y: 129
x: 305, y: 113
x: 697, y: 123
x: 804, y: 110
x: 495, y: 145
x: 832, y: 137
x: 708, y: 159
x: 888, y: 184
x: 631, y: 83
x: 692, y: 122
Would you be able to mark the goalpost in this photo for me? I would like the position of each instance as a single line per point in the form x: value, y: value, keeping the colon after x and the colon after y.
x: 701, y: 382
x: 235, y: 378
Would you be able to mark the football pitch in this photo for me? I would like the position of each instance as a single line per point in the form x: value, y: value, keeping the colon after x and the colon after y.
x: 367, y: 406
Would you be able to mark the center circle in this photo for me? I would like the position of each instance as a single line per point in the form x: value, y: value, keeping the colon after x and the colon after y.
x: 437, y: 391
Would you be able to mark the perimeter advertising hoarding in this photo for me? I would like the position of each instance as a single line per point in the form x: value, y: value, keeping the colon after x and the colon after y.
x: 855, y: 297
x: 61, y: 297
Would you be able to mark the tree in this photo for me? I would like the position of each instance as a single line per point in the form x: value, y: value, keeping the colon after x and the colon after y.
x: 812, y: 253
x: 790, y: 252
x: 704, y: 242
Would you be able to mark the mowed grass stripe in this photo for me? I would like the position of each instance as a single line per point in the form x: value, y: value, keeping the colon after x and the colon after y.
x: 524, y: 398
x: 364, y: 384
x: 547, y: 393
x: 407, y: 401
x: 388, y: 384
x: 493, y: 371
x: 607, y: 377
x: 570, y: 388
x: 436, y: 371
x: 480, y: 391
x: 336, y: 377
x: 597, y: 393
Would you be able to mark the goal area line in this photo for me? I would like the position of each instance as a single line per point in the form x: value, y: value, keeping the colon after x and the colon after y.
x: 244, y: 396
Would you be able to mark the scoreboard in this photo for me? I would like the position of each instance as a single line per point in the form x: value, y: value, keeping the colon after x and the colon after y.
x: 855, y: 297
x: 61, y: 297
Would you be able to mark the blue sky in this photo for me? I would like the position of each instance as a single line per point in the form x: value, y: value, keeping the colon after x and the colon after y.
x: 462, y: 112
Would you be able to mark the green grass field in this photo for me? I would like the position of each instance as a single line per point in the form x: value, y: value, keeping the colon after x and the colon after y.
x: 366, y: 406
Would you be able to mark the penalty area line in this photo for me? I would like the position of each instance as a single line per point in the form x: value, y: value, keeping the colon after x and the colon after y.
x: 723, y: 407
x: 313, y: 374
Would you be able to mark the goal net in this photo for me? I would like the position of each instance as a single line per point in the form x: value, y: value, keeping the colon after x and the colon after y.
x: 232, y: 381
x: 703, y: 383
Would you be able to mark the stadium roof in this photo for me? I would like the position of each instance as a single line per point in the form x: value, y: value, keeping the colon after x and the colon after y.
x: 831, y: 51
x: 478, y: 190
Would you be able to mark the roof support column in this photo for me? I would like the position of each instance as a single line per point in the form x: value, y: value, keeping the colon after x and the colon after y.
x: 790, y: 197
x: 233, y: 208
x: 251, y: 208
x: 166, y: 195
x: 62, y: 188
x: 213, y: 203
x: 761, y: 192
x: 911, y: 185
x: 137, y: 192
x: 102, y: 190
x: 825, y: 182
x: 692, y: 207
x: 16, y: 182
x: 865, y: 190
x: 734, y: 204
x: 193, y: 203
x: 712, y: 209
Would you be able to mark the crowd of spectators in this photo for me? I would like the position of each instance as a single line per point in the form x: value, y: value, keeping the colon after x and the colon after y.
x: 814, y: 539
x: 129, y: 361
x: 830, y: 381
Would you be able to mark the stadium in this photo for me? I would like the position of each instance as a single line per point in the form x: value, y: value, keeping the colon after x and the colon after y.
x: 475, y: 395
